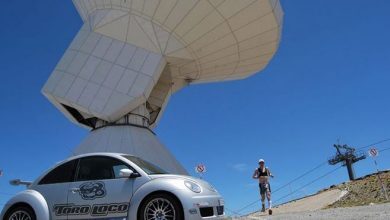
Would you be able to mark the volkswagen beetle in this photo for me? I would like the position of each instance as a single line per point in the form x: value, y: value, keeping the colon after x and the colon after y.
x: 114, y: 186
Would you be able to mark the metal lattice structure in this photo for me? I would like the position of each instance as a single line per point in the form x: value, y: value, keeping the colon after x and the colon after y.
x: 348, y: 156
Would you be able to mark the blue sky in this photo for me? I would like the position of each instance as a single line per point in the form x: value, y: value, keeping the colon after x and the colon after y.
x: 329, y: 80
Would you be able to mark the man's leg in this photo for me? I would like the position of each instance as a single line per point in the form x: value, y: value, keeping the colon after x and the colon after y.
x: 263, y: 202
x: 269, y: 199
x: 262, y: 194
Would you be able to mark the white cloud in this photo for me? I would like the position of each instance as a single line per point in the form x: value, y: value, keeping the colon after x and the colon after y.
x: 240, y: 167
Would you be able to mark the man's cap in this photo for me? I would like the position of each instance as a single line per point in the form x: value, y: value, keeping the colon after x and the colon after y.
x: 261, y: 160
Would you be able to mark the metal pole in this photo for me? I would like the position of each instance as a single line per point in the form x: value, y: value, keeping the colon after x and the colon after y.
x: 380, y: 180
x: 350, y: 169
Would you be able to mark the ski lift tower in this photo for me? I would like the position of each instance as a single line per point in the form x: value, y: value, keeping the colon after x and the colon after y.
x: 348, y: 156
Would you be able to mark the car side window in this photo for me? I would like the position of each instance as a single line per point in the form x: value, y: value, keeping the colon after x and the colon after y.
x: 99, y: 168
x: 61, y: 174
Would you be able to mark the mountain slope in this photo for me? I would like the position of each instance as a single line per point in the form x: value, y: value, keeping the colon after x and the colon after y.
x: 360, y: 192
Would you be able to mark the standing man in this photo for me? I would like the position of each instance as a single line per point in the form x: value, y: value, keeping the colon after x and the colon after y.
x: 262, y: 173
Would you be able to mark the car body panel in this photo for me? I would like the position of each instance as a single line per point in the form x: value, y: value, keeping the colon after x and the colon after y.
x: 54, y: 192
x: 32, y: 198
x: 188, y: 199
x: 107, y: 198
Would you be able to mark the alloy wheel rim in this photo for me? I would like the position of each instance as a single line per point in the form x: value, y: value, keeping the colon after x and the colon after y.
x: 20, y: 215
x: 159, y: 209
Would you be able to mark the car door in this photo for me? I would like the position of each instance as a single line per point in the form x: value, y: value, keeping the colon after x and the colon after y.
x: 54, y: 188
x: 98, y: 190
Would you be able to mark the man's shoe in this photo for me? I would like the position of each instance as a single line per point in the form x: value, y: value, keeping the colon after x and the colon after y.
x: 270, y: 211
x: 263, y: 208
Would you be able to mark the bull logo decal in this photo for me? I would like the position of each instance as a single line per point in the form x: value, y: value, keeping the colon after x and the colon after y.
x: 92, y: 190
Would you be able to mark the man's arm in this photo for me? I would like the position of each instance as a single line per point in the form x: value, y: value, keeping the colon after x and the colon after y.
x: 269, y: 173
x: 255, y: 174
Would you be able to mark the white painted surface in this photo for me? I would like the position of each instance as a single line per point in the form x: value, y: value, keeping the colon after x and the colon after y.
x: 95, y: 67
x: 193, y: 29
x: 130, y: 140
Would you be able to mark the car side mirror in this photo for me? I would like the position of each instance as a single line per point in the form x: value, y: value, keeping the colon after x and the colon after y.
x: 127, y: 173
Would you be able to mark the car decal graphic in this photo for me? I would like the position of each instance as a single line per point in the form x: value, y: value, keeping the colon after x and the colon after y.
x: 94, y: 210
x: 92, y: 190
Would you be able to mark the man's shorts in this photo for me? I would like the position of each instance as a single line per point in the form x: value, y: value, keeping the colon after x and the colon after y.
x: 263, y: 187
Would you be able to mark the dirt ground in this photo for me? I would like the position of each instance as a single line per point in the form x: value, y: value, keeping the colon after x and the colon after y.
x: 379, y: 211
x: 310, y: 203
x: 363, y: 191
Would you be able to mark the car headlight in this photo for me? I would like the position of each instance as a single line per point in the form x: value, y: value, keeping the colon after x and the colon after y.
x: 193, y: 186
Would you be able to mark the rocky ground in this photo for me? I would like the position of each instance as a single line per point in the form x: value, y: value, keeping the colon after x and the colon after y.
x: 363, y: 191
x: 359, y: 199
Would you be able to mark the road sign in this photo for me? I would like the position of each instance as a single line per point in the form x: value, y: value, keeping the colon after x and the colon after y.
x: 200, y: 168
x: 373, y: 152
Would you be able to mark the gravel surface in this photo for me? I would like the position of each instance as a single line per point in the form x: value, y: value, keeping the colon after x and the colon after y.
x: 379, y: 211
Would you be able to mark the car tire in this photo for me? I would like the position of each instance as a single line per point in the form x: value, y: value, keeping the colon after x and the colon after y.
x: 20, y: 213
x: 160, y: 205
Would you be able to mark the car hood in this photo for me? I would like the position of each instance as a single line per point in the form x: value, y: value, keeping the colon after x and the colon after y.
x: 174, y: 176
x: 184, y: 177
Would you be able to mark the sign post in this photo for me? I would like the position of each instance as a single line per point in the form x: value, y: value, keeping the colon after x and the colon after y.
x: 373, y: 152
x: 200, y: 169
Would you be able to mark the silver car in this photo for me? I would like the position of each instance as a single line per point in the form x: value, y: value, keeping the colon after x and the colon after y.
x: 114, y: 186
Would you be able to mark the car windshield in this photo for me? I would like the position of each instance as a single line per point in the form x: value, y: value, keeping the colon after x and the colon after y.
x: 149, y: 168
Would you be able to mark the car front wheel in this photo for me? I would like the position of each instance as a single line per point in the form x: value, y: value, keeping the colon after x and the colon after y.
x: 21, y: 213
x: 161, y: 207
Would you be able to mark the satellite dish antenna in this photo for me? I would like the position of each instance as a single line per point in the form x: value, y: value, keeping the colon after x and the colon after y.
x: 129, y: 57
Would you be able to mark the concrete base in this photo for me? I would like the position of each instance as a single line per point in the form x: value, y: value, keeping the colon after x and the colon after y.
x: 136, y: 141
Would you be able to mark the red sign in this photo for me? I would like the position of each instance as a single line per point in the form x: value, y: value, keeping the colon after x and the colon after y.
x: 373, y: 152
x: 200, y: 168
